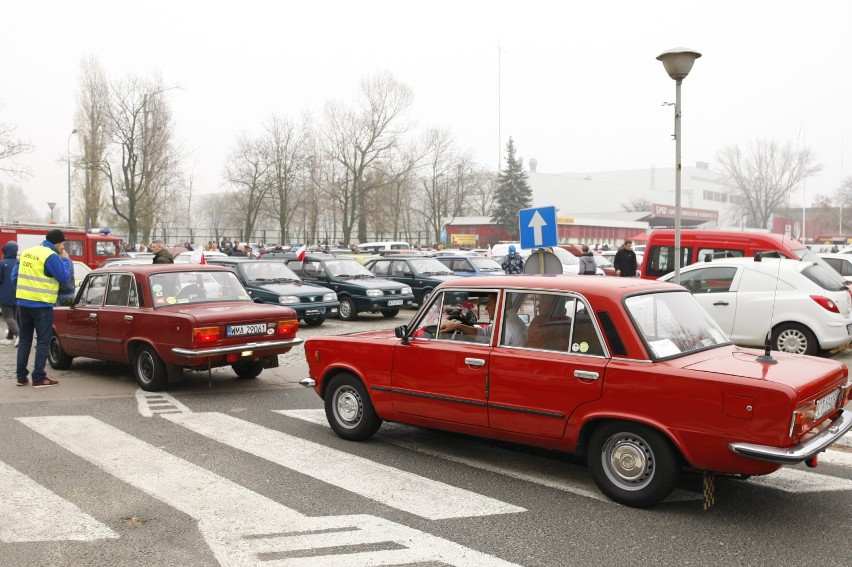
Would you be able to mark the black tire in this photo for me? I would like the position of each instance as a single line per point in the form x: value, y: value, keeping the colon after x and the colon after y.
x: 349, y: 409
x: 390, y: 313
x: 314, y: 321
x: 248, y: 370
x: 794, y: 338
x: 149, y: 370
x: 56, y: 357
x: 348, y: 312
x: 632, y: 464
x: 427, y: 293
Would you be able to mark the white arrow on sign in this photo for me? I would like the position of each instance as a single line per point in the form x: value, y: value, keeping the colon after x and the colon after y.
x: 536, y: 223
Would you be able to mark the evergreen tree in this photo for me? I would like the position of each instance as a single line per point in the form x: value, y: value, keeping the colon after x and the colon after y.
x: 513, y: 193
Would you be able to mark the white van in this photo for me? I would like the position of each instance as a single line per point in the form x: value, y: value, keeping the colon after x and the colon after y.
x: 383, y: 247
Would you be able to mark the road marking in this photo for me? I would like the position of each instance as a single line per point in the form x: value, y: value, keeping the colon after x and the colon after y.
x: 244, y: 528
x: 798, y: 481
x: 157, y: 403
x: 390, y: 486
x: 545, y: 472
x: 31, y: 512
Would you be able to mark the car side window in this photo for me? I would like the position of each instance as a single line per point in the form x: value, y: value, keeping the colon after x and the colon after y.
x: 120, y: 286
x: 398, y: 268
x: 312, y: 269
x: 462, y: 266
x: 709, y: 280
x: 93, y: 292
x: 381, y: 268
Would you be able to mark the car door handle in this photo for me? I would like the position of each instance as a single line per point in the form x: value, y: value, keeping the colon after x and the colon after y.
x: 477, y: 362
x: 93, y: 315
x: 586, y: 375
x: 128, y: 318
x: 721, y: 303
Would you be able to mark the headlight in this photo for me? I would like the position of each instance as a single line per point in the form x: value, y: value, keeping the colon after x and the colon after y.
x: 288, y: 299
x: 330, y: 297
x: 375, y: 293
x: 406, y: 290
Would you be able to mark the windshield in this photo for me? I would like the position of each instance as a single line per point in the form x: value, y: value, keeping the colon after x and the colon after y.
x: 268, y: 271
x: 673, y: 323
x: 173, y: 288
x: 484, y: 264
x: 344, y: 267
x: 430, y: 266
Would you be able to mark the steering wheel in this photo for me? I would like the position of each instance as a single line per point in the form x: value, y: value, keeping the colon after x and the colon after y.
x: 190, y: 291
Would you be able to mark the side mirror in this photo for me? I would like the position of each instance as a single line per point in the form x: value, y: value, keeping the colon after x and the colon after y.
x: 401, y: 332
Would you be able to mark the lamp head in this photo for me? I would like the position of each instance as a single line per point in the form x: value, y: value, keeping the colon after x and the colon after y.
x: 678, y: 61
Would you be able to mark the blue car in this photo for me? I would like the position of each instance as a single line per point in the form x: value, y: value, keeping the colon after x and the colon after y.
x: 472, y: 265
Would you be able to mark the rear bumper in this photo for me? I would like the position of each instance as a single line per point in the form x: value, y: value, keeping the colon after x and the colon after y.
x: 258, y: 347
x: 798, y: 453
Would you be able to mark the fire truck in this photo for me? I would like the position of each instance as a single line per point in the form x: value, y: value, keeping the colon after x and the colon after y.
x: 90, y: 247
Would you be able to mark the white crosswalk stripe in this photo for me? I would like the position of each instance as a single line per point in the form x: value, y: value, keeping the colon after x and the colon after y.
x: 31, y: 512
x: 244, y: 528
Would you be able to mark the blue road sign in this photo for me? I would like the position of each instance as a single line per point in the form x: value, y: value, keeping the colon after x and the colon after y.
x: 538, y: 227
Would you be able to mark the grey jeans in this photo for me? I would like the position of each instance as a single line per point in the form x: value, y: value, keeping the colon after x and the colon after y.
x: 10, y: 315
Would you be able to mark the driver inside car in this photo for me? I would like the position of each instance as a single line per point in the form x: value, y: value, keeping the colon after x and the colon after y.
x: 514, y: 329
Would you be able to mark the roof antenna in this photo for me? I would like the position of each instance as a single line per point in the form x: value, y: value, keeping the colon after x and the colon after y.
x: 766, y: 357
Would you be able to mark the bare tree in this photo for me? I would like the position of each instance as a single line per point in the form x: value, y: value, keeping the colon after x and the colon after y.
x: 764, y: 173
x: 14, y: 205
x: 357, y: 138
x: 213, y: 210
x: 143, y: 160
x: 286, y: 145
x: 92, y: 129
x: 637, y: 205
x: 436, y: 179
x: 10, y: 148
x: 482, y: 187
x: 246, y: 172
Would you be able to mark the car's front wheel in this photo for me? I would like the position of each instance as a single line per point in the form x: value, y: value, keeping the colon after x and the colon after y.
x: 149, y: 370
x: 632, y: 464
x: 314, y: 321
x: 390, y: 313
x: 58, y: 358
x: 795, y: 338
x: 348, y: 312
x: 349, y: 409
x: 248, y: 370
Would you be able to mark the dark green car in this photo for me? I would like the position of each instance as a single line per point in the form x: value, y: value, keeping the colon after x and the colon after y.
x: 421, y: 273
x: 274, y: 282
x: 357, y: 288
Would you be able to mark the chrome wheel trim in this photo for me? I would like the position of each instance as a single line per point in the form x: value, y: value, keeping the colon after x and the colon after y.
x: 348, y: 407
x: 145, y: 367
x: 628, y: 461
x: 793, y: 341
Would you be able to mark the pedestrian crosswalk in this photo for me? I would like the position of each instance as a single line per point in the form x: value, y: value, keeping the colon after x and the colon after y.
x: 245, y: 528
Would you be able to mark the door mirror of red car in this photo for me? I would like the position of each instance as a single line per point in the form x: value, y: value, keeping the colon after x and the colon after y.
x: 401, y: 332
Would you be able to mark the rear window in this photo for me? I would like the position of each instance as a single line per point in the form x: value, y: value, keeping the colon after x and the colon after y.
x: 826, y: 278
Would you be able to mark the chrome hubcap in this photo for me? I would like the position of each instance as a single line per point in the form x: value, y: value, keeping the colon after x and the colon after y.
x: 348, y: 406
x: 792, y: 341
x: 628, y: 461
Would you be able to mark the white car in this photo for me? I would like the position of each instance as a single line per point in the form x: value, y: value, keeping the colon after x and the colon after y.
x: 805, y: 305
x: 841, y: 262
x: 186, y: 257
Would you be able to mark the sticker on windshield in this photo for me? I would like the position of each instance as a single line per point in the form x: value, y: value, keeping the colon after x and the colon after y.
x: 157, y: 288
x: 664, y: 348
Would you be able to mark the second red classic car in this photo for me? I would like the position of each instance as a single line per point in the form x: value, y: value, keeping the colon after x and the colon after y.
x: 163, y: 318
x: 633, y: 374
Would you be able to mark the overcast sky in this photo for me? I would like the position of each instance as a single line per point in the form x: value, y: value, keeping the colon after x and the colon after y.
x: 580, y: 88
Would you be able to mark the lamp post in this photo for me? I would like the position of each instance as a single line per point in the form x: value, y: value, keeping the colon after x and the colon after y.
x: 678, y: 63
x: 51, y: 205
x: 74, y: 131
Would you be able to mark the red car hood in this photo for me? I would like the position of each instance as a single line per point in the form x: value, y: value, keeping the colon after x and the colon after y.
x: 804, y: 374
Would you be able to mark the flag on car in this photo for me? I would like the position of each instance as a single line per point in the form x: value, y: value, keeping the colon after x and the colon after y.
x: 300, y: 253
x: 197, y: 257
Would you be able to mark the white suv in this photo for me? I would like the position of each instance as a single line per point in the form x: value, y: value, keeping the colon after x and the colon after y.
x: 806, y: 306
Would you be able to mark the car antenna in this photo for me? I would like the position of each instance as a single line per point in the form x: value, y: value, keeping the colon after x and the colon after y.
x: 766, y: 357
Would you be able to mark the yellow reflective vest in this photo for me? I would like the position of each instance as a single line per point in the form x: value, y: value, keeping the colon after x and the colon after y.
x: 33, y: 283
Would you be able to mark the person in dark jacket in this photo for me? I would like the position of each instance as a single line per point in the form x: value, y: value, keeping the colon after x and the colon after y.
x: 161, y: 255
x: 7, y: 293
x: 513, y: 263
x: 625, y: 261
x: 587, y: 262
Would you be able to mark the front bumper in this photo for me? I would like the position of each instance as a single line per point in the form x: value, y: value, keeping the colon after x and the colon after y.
x: 308, y: 382
x: 798, y: 453
x: 254, y: 346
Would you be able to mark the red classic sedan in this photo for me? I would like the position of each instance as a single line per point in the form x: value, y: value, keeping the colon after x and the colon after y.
x: 163, y: 318
x: 633, y: 374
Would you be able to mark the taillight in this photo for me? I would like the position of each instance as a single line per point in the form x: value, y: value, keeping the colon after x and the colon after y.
x: 287, y: 329
x: 826, y: 303
x: 205, y: 334
x: 803, y: 420
x: 847, y: 391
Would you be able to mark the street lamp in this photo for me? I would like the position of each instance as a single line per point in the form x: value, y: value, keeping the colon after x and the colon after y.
x: 74, y: 131
x: 678, y: 63
x: 51, y: 205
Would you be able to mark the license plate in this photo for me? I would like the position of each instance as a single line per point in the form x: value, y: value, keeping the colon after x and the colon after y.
x: 826, y: 403
x: 315, y: 311
x: 244, y: 330
x: 392, y: 302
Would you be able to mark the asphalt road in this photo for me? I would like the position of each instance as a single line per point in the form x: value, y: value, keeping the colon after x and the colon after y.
x: 221, y: 471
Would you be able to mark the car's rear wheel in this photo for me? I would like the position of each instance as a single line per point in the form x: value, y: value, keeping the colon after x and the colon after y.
x: 349, y: 409
x: 390, y: 313
x: 149, y: 370
x: 794, y: 338
x: 632, y: 464
x: 58, y: 358
x: 347, y: 309
x: 248, y: 370
x: 314, y: 321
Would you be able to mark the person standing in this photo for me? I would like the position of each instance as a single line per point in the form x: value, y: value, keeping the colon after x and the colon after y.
x: 38, y: 275
x: 161, y: 255
x: 587, y: 262
x: 7, y: 292
x: 513, y: 263
x: 625, y: 261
